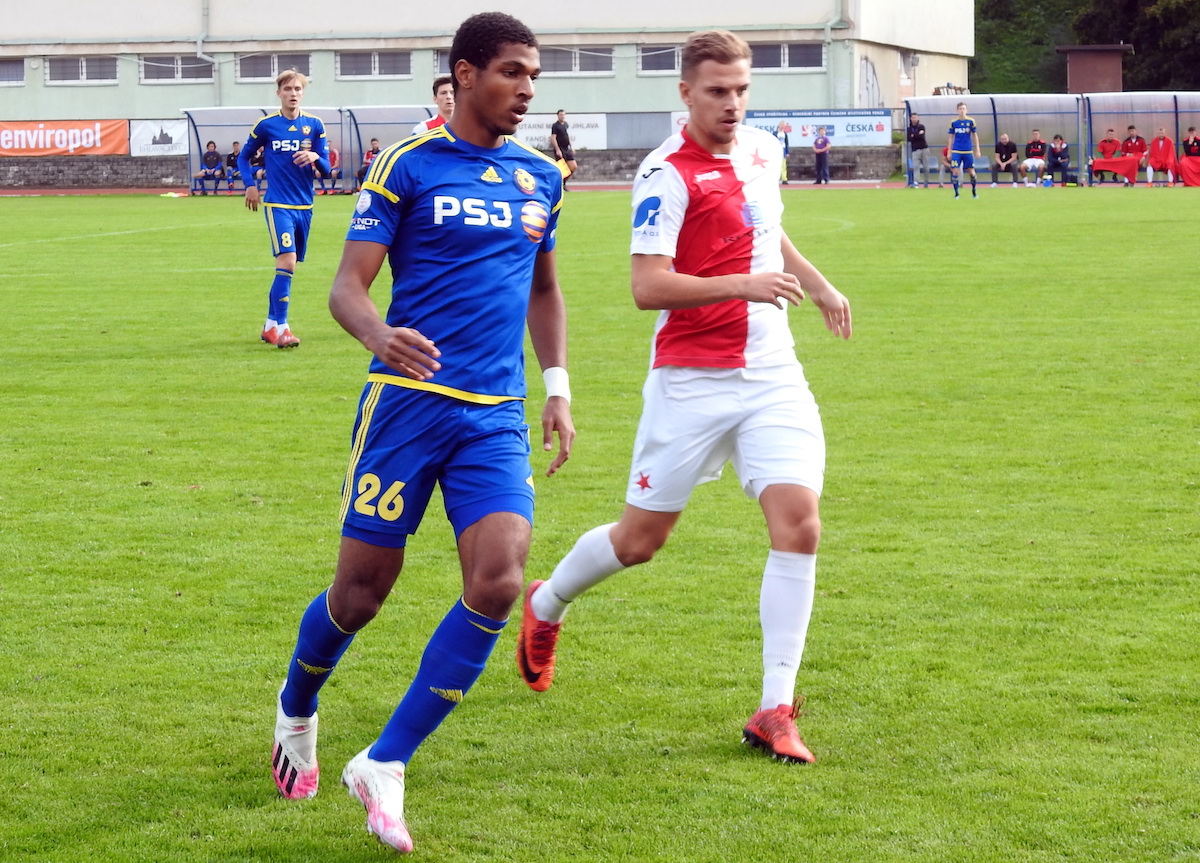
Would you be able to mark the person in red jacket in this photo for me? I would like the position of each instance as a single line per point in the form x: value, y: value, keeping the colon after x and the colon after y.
x: 1161, y: 157
x: 1108, y: 147
x: 1135, y: 145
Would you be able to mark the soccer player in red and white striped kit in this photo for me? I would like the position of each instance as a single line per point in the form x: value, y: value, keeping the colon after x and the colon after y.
x: 710, y: 253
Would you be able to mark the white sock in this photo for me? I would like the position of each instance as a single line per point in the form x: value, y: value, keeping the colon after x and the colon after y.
x: 784, y: 609
x: 270, y: 325
x: 589, y: 562
x: 1150, y: 176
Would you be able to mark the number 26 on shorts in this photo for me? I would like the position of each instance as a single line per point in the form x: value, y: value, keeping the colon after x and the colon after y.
x: 370, y: 502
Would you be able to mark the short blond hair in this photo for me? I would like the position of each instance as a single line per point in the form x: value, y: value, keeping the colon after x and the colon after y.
x: 720, y: 46
x: 287, y: 75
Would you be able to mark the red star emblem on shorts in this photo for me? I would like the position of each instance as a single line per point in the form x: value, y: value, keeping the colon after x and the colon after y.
x: 758, y: 161
x: 643, y: 481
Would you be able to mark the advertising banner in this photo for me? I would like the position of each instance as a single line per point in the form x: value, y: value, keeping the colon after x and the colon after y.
x: 587, y: 131
x: 159, y: 138
x: 64, y: 137
x: 845, y: 128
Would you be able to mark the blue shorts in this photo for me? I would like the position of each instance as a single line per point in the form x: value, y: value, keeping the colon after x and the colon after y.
x: 288, y: 229
x: 966, y: 161
x: 405, y: 441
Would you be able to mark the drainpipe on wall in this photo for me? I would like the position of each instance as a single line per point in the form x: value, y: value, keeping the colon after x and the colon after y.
x: 202, y: 56
x: 836, y: 21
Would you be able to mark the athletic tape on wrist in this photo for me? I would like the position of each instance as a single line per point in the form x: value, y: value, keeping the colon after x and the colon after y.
x: 558, y: 382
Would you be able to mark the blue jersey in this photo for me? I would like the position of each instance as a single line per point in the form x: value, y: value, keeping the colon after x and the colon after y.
x: 288, y: 185
x: 463, y: 226
x: 962, y: 128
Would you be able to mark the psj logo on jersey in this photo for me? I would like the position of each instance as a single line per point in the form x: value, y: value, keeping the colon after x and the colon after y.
x: 475, y: 211
x: 291, y: 146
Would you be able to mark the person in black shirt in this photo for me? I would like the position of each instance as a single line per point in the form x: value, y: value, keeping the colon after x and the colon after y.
x: 919, y: 152
x: 231, y: 166
x: 1059, y: 158
x: 1035, y: 158
x: 211, y: 168
x: 1006, y: 159
x: 560, y: 140
x: 1191, y: 144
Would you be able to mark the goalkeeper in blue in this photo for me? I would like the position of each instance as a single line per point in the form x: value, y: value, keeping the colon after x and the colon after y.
x: 465, y: 216
x: 293, y: 145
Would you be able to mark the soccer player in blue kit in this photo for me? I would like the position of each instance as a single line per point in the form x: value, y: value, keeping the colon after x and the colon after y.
x: 466, y: 217
x: 293, y: 144
x: 964, y: 148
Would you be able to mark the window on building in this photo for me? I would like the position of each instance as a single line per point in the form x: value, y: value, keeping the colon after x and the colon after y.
x: 264, y: 67
x: 12, y: 70
x: 658, y: 58
x: 806, y: 55
x: 77, y: 70
x: 442, y: 62
x: 175, y: 67
x: 374, y: 64
x: 575, y: 60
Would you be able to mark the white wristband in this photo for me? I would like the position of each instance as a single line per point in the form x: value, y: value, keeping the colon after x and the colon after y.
x: 558, y: 383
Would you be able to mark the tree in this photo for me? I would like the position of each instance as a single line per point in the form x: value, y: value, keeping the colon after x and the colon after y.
x: 1015, y: 43
x: 1165, y: 35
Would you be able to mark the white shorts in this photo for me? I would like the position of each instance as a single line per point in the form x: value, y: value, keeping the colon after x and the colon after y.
x: 1033, y: 164
x: 694, y: 420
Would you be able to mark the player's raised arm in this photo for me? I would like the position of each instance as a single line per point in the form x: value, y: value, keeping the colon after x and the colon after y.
x: 547, y: 322
x: 402, y: 348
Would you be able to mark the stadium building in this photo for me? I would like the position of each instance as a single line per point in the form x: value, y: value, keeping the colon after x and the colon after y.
x: 75, y: 59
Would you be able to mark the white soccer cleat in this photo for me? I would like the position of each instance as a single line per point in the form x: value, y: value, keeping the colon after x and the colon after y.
x: 379, y: 787
x: 294, y: 755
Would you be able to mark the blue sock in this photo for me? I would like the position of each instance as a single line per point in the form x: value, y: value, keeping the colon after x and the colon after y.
x: 954, y: 183
x: 452, y: 662
x: 281, y: 290
x: 318, y: 648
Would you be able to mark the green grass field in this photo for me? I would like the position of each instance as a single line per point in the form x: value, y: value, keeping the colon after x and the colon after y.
x: 1003, y: 664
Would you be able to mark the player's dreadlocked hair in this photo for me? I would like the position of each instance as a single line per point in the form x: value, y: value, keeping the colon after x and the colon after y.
x: 479, y: 38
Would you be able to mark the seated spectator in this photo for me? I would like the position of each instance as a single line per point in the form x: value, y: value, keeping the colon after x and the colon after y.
x: 368, y: 158
x: 1058, y: 159
x: 1189, y: 162
x: 1006, y: 159
x: 1161, y: 157
x: 335, y: 171
x: 1109, y: 147
x: 1035, y: 159
x: 944, y: 165
x: 212, y: 167
x: 231, y: 166
x: 1135, y: 145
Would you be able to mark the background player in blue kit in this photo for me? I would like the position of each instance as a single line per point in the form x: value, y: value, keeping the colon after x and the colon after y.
x: 964, y: 148
x: 466, y: 217
x: 293, y: 145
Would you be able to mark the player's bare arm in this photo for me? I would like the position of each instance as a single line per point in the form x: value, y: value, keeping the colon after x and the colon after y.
x: 834, y: 306
x: 656, y: 286
x: 402, y: 348
x: 547, y: 322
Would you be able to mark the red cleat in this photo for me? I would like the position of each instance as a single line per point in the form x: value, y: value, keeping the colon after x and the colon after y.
x: 535, y: 646
x: 270, y: 335
x: 286, y: 339
x: 773, y: 730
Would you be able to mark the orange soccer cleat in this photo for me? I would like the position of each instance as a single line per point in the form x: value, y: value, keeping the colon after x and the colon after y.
x: 286, y: 339
x: 773, y: 730
x: 535, y: 646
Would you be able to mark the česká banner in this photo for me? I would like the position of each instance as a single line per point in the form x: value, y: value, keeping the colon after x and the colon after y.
x: 64, y: 138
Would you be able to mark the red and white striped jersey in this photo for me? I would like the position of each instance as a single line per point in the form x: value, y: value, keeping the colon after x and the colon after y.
x: 715, y: 215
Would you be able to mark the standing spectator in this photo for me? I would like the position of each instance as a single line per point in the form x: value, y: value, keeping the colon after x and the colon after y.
x: 781, y: 135
x: 1135, y: 145
x: 1035, y: 159
x: 1058, y: 158
x: 964, y: 148
x: 821, y: 147
x: 724, y: 382
x: 443, y: 98
x: 211, y: 168
x: 919, y: 154
x: 368, y: 158
x: 1161, y: 157
x: 293, y: 144
x: 1108, y: 147
x: 443, y: 405
x: 231, y: 165
x: 1006, y: 159
x: 560, y: 139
